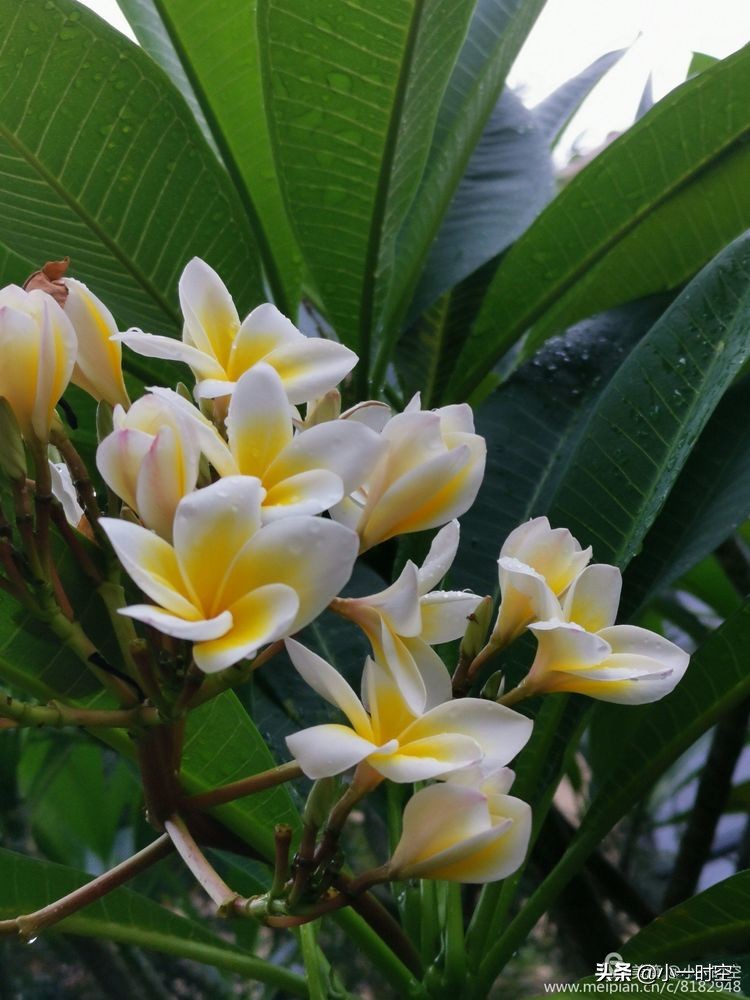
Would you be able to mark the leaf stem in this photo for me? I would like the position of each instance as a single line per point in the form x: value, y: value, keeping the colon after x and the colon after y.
x: 201, y: 868
x: 245, y: 786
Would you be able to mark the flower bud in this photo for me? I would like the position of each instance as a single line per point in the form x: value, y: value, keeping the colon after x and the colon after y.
x: 479, y: 837
x: 478, y: 626
x: 38, y: 347
x: 320, y: 411
x: 98, y: 369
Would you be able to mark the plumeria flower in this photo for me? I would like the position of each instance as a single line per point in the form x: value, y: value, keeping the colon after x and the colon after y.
x: 395, y: 741
x: 429, y: 474
x: 404, y: 621
x: 537, y: 564
x: 98, y: 369
x: 303, y: 473
x: 590, y: 655
x: 151, y: 459
x: 219, y: 348
x: 370, y: 412
x: 227, y: 584
x: 464, y: 830
x: 38, y: 348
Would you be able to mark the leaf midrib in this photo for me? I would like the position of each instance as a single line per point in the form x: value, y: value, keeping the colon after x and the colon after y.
x: 91, y: 222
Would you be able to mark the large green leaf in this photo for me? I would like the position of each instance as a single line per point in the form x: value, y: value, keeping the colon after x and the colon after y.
x: 128, y: 918
x: 14, y: 270
x: 353, y: 93
x: 497, y: 30
x: 709, y: 500
x: 643, y: 216
x: 213, y: 60
x: 650, y: 740
x: 101, y: 159
x: 715, y: 922
x: 508, y: 180
x: 534, y: 424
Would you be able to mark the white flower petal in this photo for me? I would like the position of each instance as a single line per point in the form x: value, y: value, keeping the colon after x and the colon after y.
x: 211, y: 320
x: 420, y: 760
x: 194, y: 631
x: 500, y: 732
x: 593, y: 598
x: 329, y: 684
x: 309, y: 492
x: 445, y: 614
x: 324, y: 751
x: 169, y: 470
x: 259, y: 421
x: 348, y: 449
x: 440, y: 557
x: 311, y: 367
x: 152, y: 345
x: 119, y: 458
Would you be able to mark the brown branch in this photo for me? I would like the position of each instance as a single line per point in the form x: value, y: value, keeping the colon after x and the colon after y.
x: 245, y: 786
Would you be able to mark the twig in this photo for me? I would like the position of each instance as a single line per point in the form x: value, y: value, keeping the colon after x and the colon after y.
x: 245, y: 786
x: 28, y: 925
x: 202, y: 869
x: 57, y: 715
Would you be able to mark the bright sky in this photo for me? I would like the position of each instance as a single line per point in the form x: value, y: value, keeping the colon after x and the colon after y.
x: 570, y: 34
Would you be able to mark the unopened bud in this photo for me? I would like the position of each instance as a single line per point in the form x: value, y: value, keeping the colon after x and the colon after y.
x: 322, y: 410
x: 475, y: 635
x: 104, y: 424
x: 12, y: 455
x: 49, y: 280
x: 320, y: 801
x: 494, y: 686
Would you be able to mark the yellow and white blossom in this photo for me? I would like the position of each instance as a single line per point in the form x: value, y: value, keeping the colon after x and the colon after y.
x: 397, y: 742
x: 429, y: 473
x: 98, y: 369
x: 537, y: 564
x: 228, y: 584
x: 404, y: 621
x: 590, y: 655
x: 151, y: 459
x: 219, y: 349
x: 302, y: 473
x: 464, y: 830
x: 38, y: 349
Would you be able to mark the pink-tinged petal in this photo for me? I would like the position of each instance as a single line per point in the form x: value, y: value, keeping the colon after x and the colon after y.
x: 259, y: 422
x: 432, y: 670
x: 193, y: 631
x: 440, y: 557
x: 420, y: 760
x: 500, y: 732
x: 445, y: 614
x: 211, y: 320
x: 169, y: 471
x: 119, y: 458
x: 211, y: 527
x: 98, y: 369
x: 152, y: 565
x: 262, y: 616
x: 329, y: 684
x: 309, y: 492
x: 313, y: 556
x: 153, y: 345
x: 310, y: 367
x: 347, y: 449
x: 427, y: 496
x: 593, y: 598
x: 324, y: 751
x: 525, y: 597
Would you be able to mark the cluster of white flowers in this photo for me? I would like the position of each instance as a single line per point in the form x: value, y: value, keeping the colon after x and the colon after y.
x: 244, y: 516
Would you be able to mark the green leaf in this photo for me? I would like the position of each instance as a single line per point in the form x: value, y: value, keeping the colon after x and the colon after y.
x: 353, y: 93
x: 508, y: 180
x: 699, y: 62
x: 496, y: 32
x: 680, y: 198
x: 710, y: 499
x: 214, y: 61
x: 552, y: 115
x: 127, y: 917
x: 14, y: 270
x: 101, y: 159
x: 651, y: 739
x: 534, y: 425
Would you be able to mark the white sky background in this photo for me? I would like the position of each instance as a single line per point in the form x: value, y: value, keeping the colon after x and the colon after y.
x: 570, y: 34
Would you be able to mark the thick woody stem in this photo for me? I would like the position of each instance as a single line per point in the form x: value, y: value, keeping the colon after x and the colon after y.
x: 202, y: 869
x: 28, y: 925
x: 57, y: 715
x: 245, y: 786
